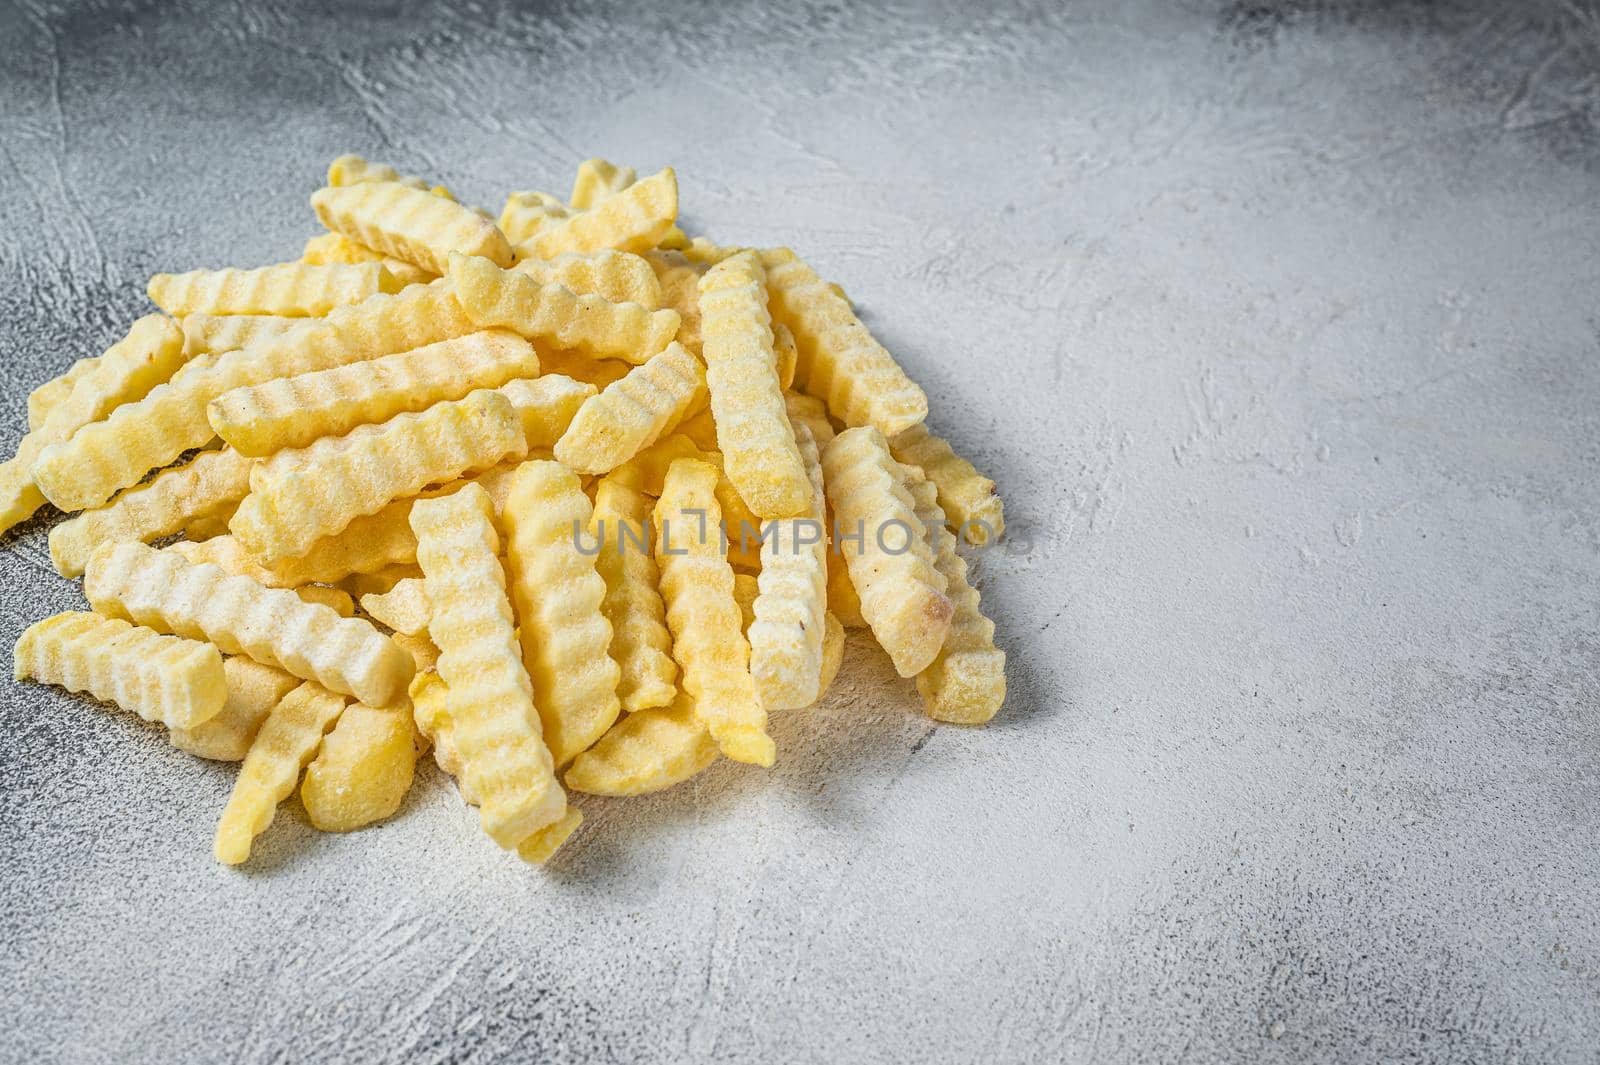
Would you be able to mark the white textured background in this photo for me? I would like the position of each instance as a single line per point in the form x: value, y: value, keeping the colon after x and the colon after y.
x: 1276, y: 324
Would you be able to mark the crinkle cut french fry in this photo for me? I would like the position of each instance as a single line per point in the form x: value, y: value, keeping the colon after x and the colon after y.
x: 602, y: 373
x: 966, y: 496
x: 680, y: 291
x: 174, y: 681
x: 785, y: 354
x: 702, y: 429
x: 753, y: 433
x: 810, y: 412
x: 843, y: 602
x: 832, y: 653
x: 786, y: 636
x: 420, y: 648
x: 616, y: 276
x: 287, y: 740
x: 884, y: 546
x: 228, y: 554
x: 566, y: 639
x: 410, y: 224
x: 496, y: 298
x: 210, y: 334
x: 294, y: 412
x: 640, y: 642
x: 45, y: 398
x: 634, y: 219
x: 630, y: 415
x: 598, y: 180
x: 166, y: 505
x: 353, y: 170
x: 405, y: 608
x: 300, y: 496
x: 546, y: 405
x: 697, y: 587
x: 525, y: 213
x: 745, y: 589
x: 335, y: 599
x: 371, y: 544
x: 966, y: 683
x: 384, y: 579
x: 494, y: 731
x: 166, y: 592
x: 150, y: 353
x: 252, y: 691
x: 840, y: 361
x: 105, y: 457
x: 363, y: 769
x: 295, y: 289
x: 646, y: 752
x: 327, y: 248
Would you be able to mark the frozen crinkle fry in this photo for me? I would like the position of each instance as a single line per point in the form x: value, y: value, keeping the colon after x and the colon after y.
x: 300, y: 496
x: 602, y: 373
x: 421, y: 649
x: 546, y: 405
x: 525, y: 213
x: 293, y: 289
x: 496, y: 298
x: 840, y: 361
x: 634, y: 219
x: 646, y: 752
x: 166, y: 505
x: 353, y: 170
x: 697, y: 587
x: 785, y: 354
x: 615, y: 276
x: 566, y: 639
x: 287, y: 740
x: 494, y: 738
x: 252, y: 691
x: 294, y: 412
x: 640, y: 642
x: 966, y: 496
x: 966, y: 683
x: 886, y: 550
x: 680, y: 291
x: 598, y: 180
x: 335, y: 599
x: 405, y: 608
x: 745, y: 589
x: 362, y: 770
x: 832, y: 653
x: 166, y: 679
x: 786, y: 636
x: 410, y: 224
x: 45, y: 398
x: 753, y: 432
x: 166, y: 592
x: 327, y: 248
x: 211, y: 334
x: 812, y: 413
x: 630, y: 415
x: 370, y: 545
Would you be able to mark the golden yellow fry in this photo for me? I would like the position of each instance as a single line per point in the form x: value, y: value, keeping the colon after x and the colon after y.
x: 652, y: 463
x: 228, y: 554
x: 602, y: 373
x: 166, y: 592
x: 832, y: 653
x: 546, y: 405
x: 745, y: 589
x: 328, y: 248
x: 150, y: 353
x: 421, y: 649
x: 209, y: 525
x: 211, y: 334
x: 410, y: 224
x: 538, y: 847
x: 103, y: 458
x: 646, y: 752
x: 294, y: 412
x: 253, y: 690
x: 45, y: 398
x: 385, y: 578
x: 504, y: 765
x: 287, y: 740
x: 966, y: 683
x: 743, y: 529
x: 292, y: 289
x: 616, y: 276
x: 549, y: 313
x: 885, y: 548
x: 598, y: 180
x: 680, y: 291
x: 810, y: 412
x: 843, y: 602
x: 525, y: 213
x: 353, y: 170
x: 840, y: 361
x: 335, y: 599
x: 753, y: 432
x: 633, y: 219
x: 640, y: 642
x: 363, y: 769
x: 370, y: 544
x: 160, y: 508
x: 161, y: 678
x: 966, y: 496
x: 702, y: 429
x: 630, y: 415
x: 300, y: 496
x: 785, y: 355
x: 566, y: 639
x: 703, y: 252
x: 405, y: 608
x: 697, y: 586
x: 786, y: 636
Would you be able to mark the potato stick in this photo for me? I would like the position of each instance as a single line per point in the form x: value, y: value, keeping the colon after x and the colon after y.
x: 566, y: 639
x: 640, y: 642
x: 634, y: 219
x: 697, y: 586
x: 525, y: 213
x: 966, y: 683
x: 546, y: 405
x: 753, y: 432
x: 300, y: 496
x: 885, y: 548
x: 646, y: 752
x: 286, y: 741
x: 786, y: 636
x: 252, y: 691
x: 211, y: 334
x: 840, y: 361
x: 363, y: 769
x: 504, y: 765
x: 166, y: 592
x: 810, y: 412
x: 294, y: 412
x: 553, y: 315
x: 598, y: 180
x: 328, y: 248
x: 174, y: 681
x: 405, y: 608
x: 615, y: 276
x: 966, y: 496
x: 160, y: 508
x: 410, y: 224
x: 630, y: 415
x: 294, y: 289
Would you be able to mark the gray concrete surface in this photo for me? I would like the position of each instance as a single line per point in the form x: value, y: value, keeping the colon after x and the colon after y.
x: 1276, y: 324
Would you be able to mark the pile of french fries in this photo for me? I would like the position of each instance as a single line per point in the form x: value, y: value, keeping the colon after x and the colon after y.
x: 570, y: 498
